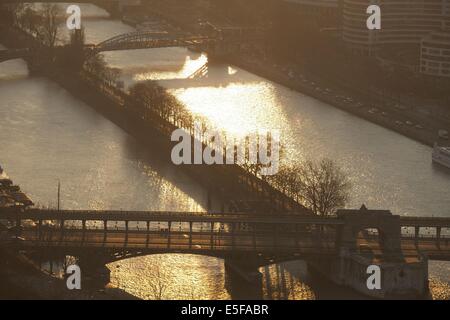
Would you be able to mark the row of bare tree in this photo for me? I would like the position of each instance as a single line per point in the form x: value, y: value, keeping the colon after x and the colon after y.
x: 320, y: 186
x: 97, y: 68
x: 42, y: 22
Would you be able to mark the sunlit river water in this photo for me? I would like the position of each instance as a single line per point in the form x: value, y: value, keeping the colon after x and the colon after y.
x: 47, y: 135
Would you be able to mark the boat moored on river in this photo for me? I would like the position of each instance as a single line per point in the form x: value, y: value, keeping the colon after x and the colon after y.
x: 441, y: 155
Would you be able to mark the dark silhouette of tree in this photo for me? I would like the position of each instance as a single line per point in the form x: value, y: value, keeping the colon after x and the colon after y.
x: 42, y: 24
x: 96, y: 66
x: 322, y: 187
x: 48, y: 26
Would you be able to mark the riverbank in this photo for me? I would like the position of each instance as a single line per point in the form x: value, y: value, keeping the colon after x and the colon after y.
x: 358, y: 106
x: 20, y: 276
x: 375, y: 108
x: 22, y: 279
x: 329, y: 109
x: 232, y: 182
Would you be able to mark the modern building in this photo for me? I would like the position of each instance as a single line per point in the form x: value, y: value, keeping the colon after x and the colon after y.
x: 324, y: 12
x: 435, y: 54
x: 402, y: 22
x: 414, y: 34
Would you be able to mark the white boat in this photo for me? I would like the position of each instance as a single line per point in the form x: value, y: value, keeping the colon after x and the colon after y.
x: 441, y: 155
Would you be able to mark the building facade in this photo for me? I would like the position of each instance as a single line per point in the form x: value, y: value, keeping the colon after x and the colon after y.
x: 402, y: 22
x: 418, y: 28
x: 324, y: 12
x: 435, y: 54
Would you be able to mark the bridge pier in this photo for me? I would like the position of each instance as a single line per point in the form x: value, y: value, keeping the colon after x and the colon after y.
x: 39, y: 230
x: 61, y: 228
x: 399, y: 276
x: 126, y: 233
x: 243, y: 267
x: 190, y: 234
x: 243, y: 281
x: 169, y: 224
x: 147, y: 238
x: 438, y: 236
x: 105, y: 231
x: 83, y: 223
x: 94, y: 273
x: 416, y: 234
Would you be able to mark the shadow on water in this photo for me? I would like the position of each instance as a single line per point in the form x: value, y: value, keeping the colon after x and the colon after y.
x: 294, y: 280
x: 217, y: 75
x: 288, y: 281
x: 146, y: 157
x: 239, y: 289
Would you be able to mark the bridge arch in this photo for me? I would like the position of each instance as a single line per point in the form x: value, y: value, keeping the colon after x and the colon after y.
x: 147, y: 40
x: 253, y: 259
x: 383, y: 222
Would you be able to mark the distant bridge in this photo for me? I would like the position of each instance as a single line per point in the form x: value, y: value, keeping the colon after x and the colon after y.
x: 149, y: 39
x: 132, y: 41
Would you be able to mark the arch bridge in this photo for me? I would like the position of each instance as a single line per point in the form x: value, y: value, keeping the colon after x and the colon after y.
x: 150, y: 39
x: 141, y: 40
x: 268, y: 237
x: 336, y: 246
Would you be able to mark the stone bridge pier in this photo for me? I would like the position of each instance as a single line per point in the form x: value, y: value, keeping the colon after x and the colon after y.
x: 95, y: 273
x: 245, y: 267
x: 399, y: 276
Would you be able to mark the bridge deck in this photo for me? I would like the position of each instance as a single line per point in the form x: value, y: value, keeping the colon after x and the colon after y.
x: 167, y: 231
x: 299, y: 245
x: 115, y: 215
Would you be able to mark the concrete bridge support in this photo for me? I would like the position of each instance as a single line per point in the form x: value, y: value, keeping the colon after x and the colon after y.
x: 94, y: 273
x: 399, y: 277
x: 246, y: 268
x: 243, y: 280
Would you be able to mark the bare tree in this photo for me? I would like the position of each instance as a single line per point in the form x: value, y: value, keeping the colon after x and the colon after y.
x: 42, y: 24
x: 112, y: 75
x: 158, y: 283
x: 324, y: 187
x: 16, y: 10
x: 28, y: 19
x: 287, y: 180
x: 48, y: 27
x: 96, y: 66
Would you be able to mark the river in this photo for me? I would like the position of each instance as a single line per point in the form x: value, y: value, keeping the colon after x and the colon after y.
x: 48, y: 135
